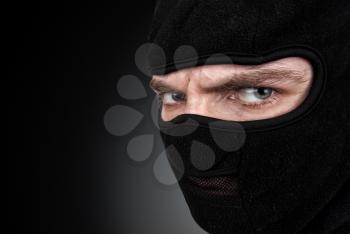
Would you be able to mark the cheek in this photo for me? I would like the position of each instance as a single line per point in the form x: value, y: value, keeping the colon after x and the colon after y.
x: 220, y: 107
x: 284, y: 105
x: 227, y: 110
x: 170, y: 112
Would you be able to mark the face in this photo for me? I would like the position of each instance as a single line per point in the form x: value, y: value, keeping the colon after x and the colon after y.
x: 235, y: 92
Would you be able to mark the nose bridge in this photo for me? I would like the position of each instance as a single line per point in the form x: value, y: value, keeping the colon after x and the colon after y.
x: 196, y: 102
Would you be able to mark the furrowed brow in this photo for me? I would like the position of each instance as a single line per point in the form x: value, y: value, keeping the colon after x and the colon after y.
x: 160, y: 86
x: 261, y: 77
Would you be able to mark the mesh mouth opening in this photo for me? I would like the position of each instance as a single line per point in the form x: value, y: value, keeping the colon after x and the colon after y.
x: 214, y: 187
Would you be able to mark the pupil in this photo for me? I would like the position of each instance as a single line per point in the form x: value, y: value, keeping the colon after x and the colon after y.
x: 177, y: 96
x: 264, y: 92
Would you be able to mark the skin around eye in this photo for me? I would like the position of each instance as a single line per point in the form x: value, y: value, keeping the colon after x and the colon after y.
x: 254, y: 95
x: 235, y: 92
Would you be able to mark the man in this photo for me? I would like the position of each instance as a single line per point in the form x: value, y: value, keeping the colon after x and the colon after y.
x: 255, y: 109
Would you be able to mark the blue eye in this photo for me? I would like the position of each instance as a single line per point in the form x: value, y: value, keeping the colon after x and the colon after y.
x: 171, y: 98
x: 254, y: 95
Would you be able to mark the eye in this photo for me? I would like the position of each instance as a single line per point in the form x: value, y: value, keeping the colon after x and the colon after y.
x: 171, y: 98
x: 254, y: 95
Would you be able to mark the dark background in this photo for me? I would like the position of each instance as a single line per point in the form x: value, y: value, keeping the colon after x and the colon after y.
x: 65, y: 175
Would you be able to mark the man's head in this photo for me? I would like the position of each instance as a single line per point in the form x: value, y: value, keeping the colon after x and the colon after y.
x: 256, y: 116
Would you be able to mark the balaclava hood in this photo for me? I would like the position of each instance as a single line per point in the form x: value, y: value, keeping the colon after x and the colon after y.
x: 288, y: 174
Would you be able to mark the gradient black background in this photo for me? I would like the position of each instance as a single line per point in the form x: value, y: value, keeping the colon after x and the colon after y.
x: 66, y: 174
x: 64, y: 62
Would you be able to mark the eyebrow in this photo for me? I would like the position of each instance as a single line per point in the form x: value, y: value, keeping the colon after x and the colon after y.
x: 261, y: 77
x: 161, y: 86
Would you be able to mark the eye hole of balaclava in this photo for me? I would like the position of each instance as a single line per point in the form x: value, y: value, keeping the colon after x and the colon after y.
x: 207, y: 146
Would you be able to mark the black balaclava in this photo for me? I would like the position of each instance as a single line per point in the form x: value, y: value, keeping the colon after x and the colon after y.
x: 288, y: 174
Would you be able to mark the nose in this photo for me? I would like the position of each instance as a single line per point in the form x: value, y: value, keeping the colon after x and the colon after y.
x: 197, y: 102
x: 195, y: 105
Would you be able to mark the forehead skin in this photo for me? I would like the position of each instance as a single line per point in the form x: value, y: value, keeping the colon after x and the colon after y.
x: 212, y: 75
